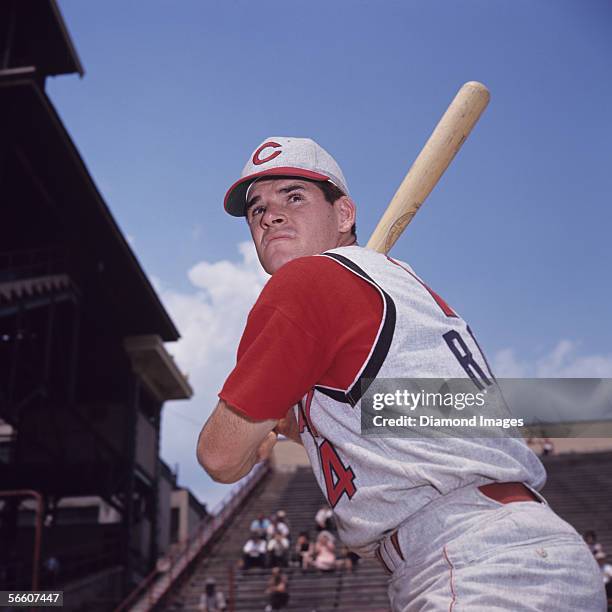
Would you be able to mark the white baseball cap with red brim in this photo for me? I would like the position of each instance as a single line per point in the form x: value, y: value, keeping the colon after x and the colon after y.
x: 284, y: 157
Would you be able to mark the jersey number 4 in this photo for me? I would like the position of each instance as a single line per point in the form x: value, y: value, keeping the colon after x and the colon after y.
x: 338, y: 478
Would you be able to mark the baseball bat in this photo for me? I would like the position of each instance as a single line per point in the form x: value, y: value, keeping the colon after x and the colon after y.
x: 446, y: 139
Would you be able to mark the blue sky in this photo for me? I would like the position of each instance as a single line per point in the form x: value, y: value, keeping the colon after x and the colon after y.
x: 515, y: 236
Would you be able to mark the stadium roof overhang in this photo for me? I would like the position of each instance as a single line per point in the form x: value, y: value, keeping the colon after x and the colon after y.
x: 43, y: 144
x: 156, y: 368
x: 37, y: 34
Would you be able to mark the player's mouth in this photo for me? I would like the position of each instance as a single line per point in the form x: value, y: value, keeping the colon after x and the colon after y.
x: 277, y: 236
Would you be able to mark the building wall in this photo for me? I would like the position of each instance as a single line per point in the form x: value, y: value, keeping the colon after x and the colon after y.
x: 163, y: 514
x: 189, y: 516
x: 287, y: 456
x: 180, y: 500
x: 194, y: 518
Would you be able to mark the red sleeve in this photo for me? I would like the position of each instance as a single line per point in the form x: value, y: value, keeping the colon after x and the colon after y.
x: 314, y: 323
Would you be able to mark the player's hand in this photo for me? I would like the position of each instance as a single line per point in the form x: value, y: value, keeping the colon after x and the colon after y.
x: 288, y: 427
x: 265, y: 448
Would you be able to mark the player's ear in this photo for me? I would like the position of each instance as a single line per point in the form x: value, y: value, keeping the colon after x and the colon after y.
x: 346, y: 211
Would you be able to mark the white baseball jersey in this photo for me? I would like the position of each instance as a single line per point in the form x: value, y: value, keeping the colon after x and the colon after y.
x: 374, y: 484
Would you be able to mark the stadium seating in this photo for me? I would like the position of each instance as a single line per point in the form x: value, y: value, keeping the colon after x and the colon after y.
x: 579, y: 488
x: 363, y: 590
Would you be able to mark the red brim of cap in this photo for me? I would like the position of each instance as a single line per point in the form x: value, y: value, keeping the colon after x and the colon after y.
x: 235, y: 198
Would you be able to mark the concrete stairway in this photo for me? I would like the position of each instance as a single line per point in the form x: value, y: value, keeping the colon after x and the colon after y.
x: 579, y: 488
x: 298, y: 494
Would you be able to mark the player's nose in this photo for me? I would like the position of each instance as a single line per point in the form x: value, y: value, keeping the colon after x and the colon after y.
x: 273, y: 216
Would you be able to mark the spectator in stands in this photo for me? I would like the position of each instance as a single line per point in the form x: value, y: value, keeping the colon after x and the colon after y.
x: 281, y: 516
x: 260, y: 525
x: 277, y: 590
x: 323, y: 519
x: 278, y: 550
x: 277, y: 526
x: 254, y: 552
x: 606, y: 571
x: 303, y: 549
x: 351, y: 561
x: 590, y: 537
x: 324, y: 556
x: 547, y: 447
x: 212, y: 600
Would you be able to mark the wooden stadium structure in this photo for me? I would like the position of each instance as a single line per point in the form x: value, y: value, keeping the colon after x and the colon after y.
x: 84, y: 372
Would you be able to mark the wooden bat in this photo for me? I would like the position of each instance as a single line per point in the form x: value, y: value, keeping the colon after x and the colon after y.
x: 438, y: 152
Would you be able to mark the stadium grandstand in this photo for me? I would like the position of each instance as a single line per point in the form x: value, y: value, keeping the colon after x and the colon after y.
x: 579, y: 488
x: 86, y: 504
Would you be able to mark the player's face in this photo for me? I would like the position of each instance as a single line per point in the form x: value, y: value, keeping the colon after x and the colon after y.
x: 290, y: 218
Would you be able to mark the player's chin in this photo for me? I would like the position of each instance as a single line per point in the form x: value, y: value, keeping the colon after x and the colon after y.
x: 272, y: 262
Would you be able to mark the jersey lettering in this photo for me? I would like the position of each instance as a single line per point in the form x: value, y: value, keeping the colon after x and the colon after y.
x: 465, y: 358
x: 338, y: 477
x: 481, y: 353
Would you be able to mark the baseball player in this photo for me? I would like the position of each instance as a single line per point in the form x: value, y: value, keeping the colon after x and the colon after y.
x: 457, y: 522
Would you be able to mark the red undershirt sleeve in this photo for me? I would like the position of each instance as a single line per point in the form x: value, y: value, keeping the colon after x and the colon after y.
x: 310, y: 315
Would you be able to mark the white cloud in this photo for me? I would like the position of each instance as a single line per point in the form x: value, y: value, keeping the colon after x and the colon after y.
x: 506, y: 365
x: 210, y: 319
x: 563, y: 361
x: 559, y: 401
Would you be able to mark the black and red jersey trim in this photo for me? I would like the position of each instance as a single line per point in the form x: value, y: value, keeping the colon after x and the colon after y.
x: 381, y: 349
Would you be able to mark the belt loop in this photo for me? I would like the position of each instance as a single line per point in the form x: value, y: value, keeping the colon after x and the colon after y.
x: 381, y: 560
x: 537, y: 494
x: 395, y: 542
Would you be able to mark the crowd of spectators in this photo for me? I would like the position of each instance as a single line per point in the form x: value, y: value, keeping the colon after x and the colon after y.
x: 271, y: 546
x: 269, y: 542
x: 590, y: 537
x: 545, y: 445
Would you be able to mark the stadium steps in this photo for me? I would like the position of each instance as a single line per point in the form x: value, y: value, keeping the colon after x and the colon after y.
x: 579, y: 489
x: 364, y: 590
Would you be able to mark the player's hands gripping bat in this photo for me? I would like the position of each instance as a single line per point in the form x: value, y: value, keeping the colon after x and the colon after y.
x: 443, y: 144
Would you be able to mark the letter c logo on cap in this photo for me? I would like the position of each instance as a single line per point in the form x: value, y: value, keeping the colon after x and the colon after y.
x: 258, y: 160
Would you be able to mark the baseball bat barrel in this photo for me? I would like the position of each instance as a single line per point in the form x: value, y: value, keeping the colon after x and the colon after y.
x: 446, y: 139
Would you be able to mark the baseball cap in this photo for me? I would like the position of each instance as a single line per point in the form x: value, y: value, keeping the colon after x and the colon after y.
x: 284, y: 156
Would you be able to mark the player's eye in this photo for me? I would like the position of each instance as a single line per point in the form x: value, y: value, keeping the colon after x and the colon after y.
x: 295, y: 197
x: 255, y: 211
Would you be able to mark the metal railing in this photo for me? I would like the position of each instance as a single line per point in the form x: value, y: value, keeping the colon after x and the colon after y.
x: 32, y: 262
x: 160, y: 581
